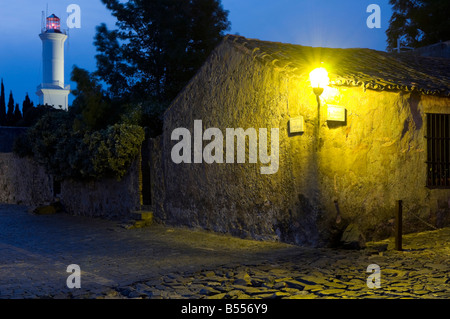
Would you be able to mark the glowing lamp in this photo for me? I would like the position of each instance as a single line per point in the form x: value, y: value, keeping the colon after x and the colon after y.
x: 319, y: 80
x: 53, y: 23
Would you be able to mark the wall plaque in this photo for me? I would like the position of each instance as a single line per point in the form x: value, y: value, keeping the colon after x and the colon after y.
x: 336, y: 113
x: 297, y: 125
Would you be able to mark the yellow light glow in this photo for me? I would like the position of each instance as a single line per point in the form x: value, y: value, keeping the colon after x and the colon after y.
x: 319, y: 78
x: 330, y: 94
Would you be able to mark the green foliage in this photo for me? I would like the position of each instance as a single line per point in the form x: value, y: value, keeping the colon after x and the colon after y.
x: 47, y: 138
x: 31, y: 114
x: 22, y: 146
x: 92, y: 108
x: 418, y: 23
x: 147, y: 114
x: 112, y: 150
x: 86, y: 142
x: 156, y: 48
x: 23, y: 143
x: 68, y: 153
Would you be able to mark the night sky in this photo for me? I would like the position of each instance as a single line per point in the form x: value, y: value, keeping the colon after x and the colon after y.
x: 326, y: 23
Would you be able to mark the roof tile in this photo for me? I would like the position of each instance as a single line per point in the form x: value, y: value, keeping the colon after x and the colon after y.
x: 371, y: 69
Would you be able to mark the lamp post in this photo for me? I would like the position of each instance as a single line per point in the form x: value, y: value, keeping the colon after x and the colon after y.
x: 319, y: 80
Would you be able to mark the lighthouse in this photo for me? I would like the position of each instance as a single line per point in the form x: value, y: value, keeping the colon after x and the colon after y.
x: 52, y: 90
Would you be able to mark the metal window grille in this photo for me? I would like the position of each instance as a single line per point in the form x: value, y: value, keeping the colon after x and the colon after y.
x: 438, y: 150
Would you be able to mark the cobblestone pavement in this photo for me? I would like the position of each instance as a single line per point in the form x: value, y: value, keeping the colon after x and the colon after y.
x: 162, y: 263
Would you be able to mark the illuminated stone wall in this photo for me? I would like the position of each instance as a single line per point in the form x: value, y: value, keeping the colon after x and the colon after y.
x: 377, y: 158
x: 362, y: 166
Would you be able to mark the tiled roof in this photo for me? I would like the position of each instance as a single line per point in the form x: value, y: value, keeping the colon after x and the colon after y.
x: 371, y: 69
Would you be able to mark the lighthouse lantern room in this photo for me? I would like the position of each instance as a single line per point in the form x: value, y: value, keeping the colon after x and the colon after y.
x: 52, y: 90
x: 53, y: 24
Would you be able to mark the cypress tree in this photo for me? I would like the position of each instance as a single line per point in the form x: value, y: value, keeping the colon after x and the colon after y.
x: 10, y: 113
x: 17, y: 115
x: 26, y: 105
x: 2, y: 106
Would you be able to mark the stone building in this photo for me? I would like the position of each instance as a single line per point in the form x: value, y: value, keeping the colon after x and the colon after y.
x: 379, y: 133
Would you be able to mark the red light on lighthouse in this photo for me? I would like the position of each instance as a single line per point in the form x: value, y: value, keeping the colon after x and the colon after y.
x: 53, y: 24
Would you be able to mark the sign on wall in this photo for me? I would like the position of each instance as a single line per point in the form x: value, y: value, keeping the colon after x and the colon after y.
x: 336, y: 113
x: 296, y: 125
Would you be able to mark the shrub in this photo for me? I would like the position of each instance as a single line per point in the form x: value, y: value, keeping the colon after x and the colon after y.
x: 111, y: 151
x: 68, y: 153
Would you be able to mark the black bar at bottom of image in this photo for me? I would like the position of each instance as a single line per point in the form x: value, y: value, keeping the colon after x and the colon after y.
x: 234, y: 308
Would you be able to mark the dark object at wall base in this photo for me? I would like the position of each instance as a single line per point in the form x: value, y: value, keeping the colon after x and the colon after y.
x: 352, y: 238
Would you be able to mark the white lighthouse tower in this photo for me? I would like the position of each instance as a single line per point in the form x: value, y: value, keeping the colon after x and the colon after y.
x: 52, y: 90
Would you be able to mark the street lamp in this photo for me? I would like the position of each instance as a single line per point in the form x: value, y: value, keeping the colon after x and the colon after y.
x: 319, y: 80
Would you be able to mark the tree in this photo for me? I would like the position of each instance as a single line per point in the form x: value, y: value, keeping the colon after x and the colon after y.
x: 71, y: 154
x: 2, y: 106
x: 158, y: 46
x: 10, y: 113
x: 418, y: 23
x: 17, y: 116
x: 26, y: 105
x: 34, y: 114
x: 92, y: 108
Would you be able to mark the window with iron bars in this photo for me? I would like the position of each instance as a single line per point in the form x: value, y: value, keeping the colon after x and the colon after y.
x: 438, y: 150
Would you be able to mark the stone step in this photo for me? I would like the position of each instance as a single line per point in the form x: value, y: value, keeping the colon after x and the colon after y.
x: 139, y: 219
x: 50, y: 209
x: 143, y: 215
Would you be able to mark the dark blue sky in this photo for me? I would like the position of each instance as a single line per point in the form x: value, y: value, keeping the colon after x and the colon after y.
x: 328, y: 23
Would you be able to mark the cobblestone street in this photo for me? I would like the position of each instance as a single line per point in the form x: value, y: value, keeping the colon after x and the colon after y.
x: 160, y: 262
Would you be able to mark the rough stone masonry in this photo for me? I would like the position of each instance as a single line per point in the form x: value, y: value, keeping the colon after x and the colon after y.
x: 353, y: 171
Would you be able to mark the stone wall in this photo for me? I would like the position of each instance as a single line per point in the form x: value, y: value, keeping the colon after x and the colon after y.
x: 228, y: 198
x: 107, y: 198
x: 377, y: 158
x: 359, y: 168
x: 157, y: 180
x: 23, y: 181
x: 232, y: 91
